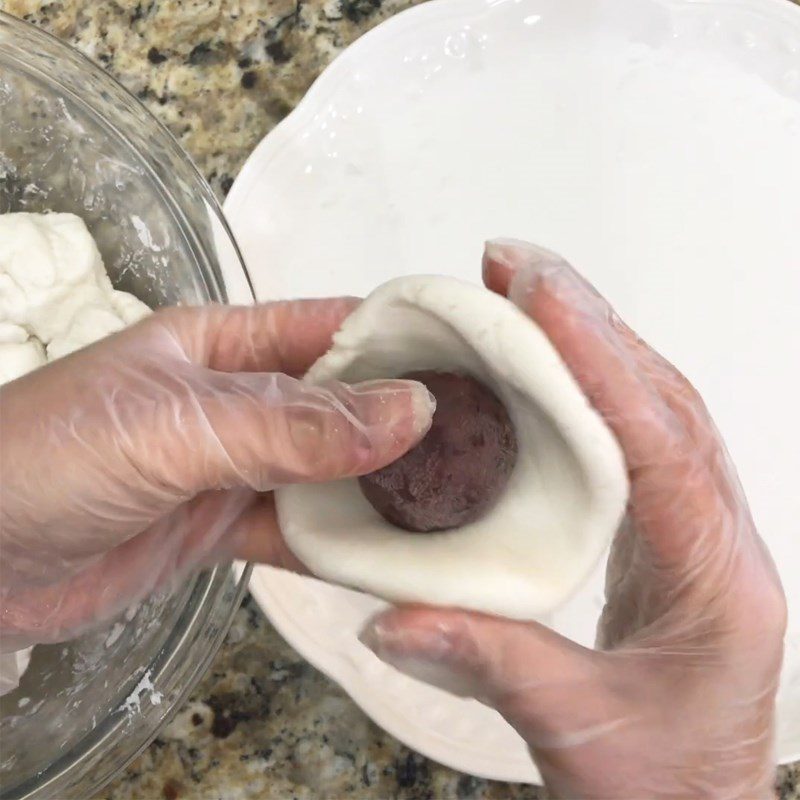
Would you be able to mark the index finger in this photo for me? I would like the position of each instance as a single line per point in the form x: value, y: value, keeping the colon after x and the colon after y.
x: 675, y: 499
x: 286, y: 336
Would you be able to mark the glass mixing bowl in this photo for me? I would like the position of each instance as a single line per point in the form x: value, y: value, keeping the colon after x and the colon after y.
x: 72, y: 139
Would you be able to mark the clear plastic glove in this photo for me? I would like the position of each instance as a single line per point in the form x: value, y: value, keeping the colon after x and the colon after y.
x: 128, y: 464
x: 678, y: 699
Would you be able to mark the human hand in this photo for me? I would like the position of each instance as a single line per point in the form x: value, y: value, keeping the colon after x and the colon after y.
x: 131, y: 462
x: 678, y: 700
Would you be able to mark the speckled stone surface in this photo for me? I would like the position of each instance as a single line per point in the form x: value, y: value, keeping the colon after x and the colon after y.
x: 262, y: 723
x: 265, y: 724
x: 219, y: 73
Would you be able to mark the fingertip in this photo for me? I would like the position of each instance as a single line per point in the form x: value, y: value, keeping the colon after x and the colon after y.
x: 515, y: 254
x: 423, y: 407
x: 419, y: 631
x: 397, y: 414
x: 392, y: 622
x: 424, y: 643
x: 496, y: 274
x: 514, y: 268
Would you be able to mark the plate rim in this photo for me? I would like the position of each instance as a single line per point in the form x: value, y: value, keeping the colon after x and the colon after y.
x: 372, y: 704
x: 415, y: 16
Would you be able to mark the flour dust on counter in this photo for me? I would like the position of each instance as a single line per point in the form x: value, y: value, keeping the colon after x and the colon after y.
x: 265, y: 725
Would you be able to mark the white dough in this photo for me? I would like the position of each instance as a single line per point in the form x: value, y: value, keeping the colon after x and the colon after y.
x: 17, y: 358
x: 54, y: 290
x: 564, y: 501
x: 55, y: 297
x: 12, y: 665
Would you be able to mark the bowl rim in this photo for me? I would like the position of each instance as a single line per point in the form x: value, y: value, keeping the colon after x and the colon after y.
x: 23, y: 28
x: 213, y: 597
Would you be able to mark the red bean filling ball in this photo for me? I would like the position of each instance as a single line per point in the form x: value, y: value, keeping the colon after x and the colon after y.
x: 458, y: 470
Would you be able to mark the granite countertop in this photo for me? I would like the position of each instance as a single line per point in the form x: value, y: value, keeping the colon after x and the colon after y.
x: 262, y: 723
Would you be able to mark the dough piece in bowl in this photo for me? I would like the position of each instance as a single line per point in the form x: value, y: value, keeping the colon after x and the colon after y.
x: 563, y: 502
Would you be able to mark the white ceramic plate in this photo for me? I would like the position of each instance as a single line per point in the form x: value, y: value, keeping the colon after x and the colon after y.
x: 656, y: 144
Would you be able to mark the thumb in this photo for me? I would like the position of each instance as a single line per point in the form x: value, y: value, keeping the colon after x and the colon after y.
x: 263, y: 430
x: 526, y: 671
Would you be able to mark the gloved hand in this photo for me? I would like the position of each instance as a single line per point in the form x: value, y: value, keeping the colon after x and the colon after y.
x: 678, y: 699
x: 146, y: 455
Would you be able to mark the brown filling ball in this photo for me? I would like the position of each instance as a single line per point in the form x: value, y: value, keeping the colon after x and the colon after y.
x: 458, y: 470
